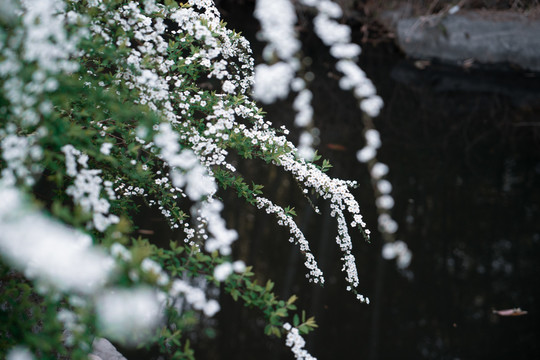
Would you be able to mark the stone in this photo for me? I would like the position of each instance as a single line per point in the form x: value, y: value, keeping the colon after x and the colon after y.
x: 487, y: 37
x: 102, y: 349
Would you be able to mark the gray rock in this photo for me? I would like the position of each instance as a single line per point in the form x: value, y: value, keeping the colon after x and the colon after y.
x: 483, y: 36
x: 102, y: 349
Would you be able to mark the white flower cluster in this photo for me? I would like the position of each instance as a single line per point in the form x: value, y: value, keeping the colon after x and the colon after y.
x: 48, y: 251
x: 20, y: 353
x: 120, y: 252
x: 150, y: 266
x: 106, y: 148
x: 296, y: 342
x: 355, y: 79
x: 383, y: 188
x: 373, y: 142
x: 302, y: 105
x: 71, y: 324
x: 56, y: 255
x: 41, y: 45
x: 222, y: 271
x: 47, y: 42
x: 219, y: 47
x: 188, y: 152
x: 200, y: 186
x: 340, y: 200
x: 277, y: 19
x: 186, y: 170
x: 304, y: 120
x: 305, y: 145
x: 297, y: 237
x: 272, y: 81
x: 128, y: 315
x: 16, y: 150
x: 338, y: 37
x: 179, y: 290
x: 220, y: 237
x: 384, y: 201
x: 86, y: 189
x: 399, y: 250
x: 195, y: 297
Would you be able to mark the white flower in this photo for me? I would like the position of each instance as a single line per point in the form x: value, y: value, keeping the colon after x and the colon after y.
x: 397, y: 249
x: 404, y: 259
x: 239, y: 266
x: 228, y: 87
x: 387, y: 224
x: 222, y: 271
x: 379, y: 170
x: 385, y: 202
x: 19, y: 353
x: 48, y: 250
x: 277, y: 18
x: 106, y: 148
x: 373, y: 138
x: 296, y: 342
x: 384, y: 186
x: 389, y: 251
x: 372, y: 105
x: 150, y: 266
x: 119, y: 251
x: 364, y: 89
x: 272, y: 81
x: 211, y: 308
x: 329, y: 8
x: 366, y: 154
x: 341, y: 51
x: 330, y: 31
x: 128, y: 315
x: 199, y: 184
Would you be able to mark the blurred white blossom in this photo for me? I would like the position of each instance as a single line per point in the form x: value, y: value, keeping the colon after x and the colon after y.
x: 19, y: 353
x: 397, y: 249
x: 272, y: 82
x: 47, y: 250
x: 128, y: 315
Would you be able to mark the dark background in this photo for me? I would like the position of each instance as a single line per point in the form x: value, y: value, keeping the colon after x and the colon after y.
x: 463, y: 147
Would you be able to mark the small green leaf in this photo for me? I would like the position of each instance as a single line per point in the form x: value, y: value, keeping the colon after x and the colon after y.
x: 269, y: 285
x: 292, y: 299
x: 296, y: 320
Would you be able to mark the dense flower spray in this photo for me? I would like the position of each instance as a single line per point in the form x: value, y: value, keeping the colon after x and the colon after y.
x: 110, y: 106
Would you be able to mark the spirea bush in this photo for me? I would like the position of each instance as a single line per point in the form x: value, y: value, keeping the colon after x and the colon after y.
x: 110, y: 107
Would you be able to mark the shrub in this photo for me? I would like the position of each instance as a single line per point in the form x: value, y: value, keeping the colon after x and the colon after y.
x: 111, y: 107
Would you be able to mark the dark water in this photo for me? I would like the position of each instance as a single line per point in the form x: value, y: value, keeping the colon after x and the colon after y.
x: 463, y: 147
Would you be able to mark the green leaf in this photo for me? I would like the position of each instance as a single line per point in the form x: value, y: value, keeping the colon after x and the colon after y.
x: 275, y: 331
x: 281, y: 312
x: 292, y: 299
x: 269, y: 285
x: 296, y: 320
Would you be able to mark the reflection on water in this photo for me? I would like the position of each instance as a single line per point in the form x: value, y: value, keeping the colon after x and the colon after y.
x: 464, y: 154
